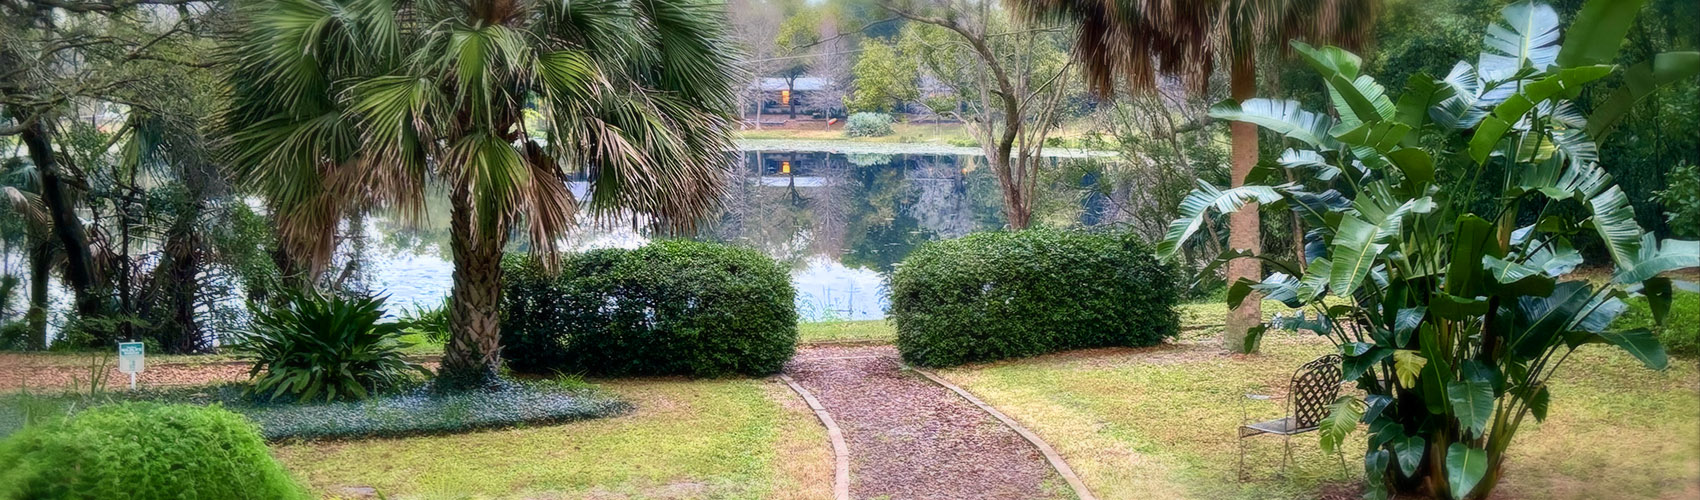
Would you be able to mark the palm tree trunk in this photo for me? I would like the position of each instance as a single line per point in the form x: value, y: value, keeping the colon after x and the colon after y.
x: 79, y: 263
x: 474, y: 352
x: 41, y: 265
x: 1243, y: 225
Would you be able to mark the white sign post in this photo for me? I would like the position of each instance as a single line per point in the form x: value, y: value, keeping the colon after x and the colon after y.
x: 130, y: 360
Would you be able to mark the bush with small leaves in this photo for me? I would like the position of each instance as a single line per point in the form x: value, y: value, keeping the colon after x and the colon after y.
x: 990, y: 296
x: 143, y: 451
x: 669, y: 308
x: 868, y: 125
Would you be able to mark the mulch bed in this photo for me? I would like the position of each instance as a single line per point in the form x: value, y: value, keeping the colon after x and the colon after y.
x: 53, y: 373
x: 910, y: 438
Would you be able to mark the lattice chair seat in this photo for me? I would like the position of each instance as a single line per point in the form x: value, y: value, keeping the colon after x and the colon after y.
x: 1309, y: 397
x: 1282, y: 426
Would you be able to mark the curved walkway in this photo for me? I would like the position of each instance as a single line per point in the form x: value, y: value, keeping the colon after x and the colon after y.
x: 911, y: 439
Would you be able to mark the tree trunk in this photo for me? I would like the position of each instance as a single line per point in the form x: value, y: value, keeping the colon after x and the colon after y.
x: 473, y: 353
x: 79, y: 263
x: 41, y: 265
x: 1243, y: 225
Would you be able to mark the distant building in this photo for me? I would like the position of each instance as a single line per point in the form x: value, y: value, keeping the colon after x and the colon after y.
x: 778, y: 97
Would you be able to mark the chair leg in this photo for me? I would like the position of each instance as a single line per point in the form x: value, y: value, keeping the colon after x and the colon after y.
x: 1242, y: 455
x: 1286, y: 453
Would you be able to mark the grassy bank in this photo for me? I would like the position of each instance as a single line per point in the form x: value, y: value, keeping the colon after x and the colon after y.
x: 871, y: 331
x: 708, y: 439
x: 1159, y: 422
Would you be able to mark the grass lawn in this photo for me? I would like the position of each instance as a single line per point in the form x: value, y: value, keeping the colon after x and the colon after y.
x: 873, y: 330
x: 1159, y: 422
x: 710, y: 439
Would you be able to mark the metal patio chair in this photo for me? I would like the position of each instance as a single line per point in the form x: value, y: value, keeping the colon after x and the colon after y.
x: 1314, y: 387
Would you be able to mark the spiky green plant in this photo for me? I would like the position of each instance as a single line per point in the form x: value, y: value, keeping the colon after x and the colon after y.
x: 353, y: 103
x: 1456, y: 316
x: 324, y: 346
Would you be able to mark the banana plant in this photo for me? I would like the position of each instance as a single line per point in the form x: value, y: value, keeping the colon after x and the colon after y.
x: 1450, y: 316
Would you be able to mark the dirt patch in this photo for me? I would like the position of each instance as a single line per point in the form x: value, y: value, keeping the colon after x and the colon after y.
x: 912, y: 439
x: 55, y: 372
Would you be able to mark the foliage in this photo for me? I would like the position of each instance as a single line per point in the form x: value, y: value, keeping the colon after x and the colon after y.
x: 342, y: 105
x: 884, y: 80
x: 998, y: 295
x: 143, y: 450
x: 672, y: 307
x: 428, y: 410
x: 429, y: 321
x: 1427, y: 278
x: 867, y: 124
x: 324, y: 346
x: 1682, y: 200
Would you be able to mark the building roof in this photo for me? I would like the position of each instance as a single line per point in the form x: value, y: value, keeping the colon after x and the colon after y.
x: 803, y: 84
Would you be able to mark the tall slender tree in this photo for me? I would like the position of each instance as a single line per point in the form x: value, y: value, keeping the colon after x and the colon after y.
x: 1135, y: 42
x: 366, y: 101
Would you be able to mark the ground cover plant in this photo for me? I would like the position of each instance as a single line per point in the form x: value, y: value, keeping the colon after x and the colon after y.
x: 143, y: 450
x: 1452, y: 316
x: 423, y: 409
x: 989, y: 296
x: 668, y: 308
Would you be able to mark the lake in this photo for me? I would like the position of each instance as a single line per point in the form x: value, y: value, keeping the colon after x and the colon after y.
x: 839, y: 214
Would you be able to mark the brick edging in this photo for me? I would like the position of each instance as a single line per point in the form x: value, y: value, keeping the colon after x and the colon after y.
x: 840, y: 452
x: 1051, y: 454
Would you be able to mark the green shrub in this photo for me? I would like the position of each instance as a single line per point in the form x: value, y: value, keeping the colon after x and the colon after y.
x: 1682, y: 200
x: 989, y: 296
x: 867, y: 125
x: 318, y: 346
x: 669, y: 308
x: 143, y: 451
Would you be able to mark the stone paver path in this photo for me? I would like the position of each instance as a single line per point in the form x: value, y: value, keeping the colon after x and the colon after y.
x: 910, y: 439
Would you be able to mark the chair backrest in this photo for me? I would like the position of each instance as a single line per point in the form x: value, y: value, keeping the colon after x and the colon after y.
x: 1314, y: 387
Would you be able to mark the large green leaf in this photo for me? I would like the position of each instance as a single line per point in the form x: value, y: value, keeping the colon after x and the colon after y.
x: 1436, y: 374
x: 1465, y: 467
x: 1342, y: 420
x: 1354, y: 254
x: 1564, y: 83
x: 1638, y: 82
x: 1281, y: 116
x: 1469, y: 241
x: 1409, y: 451
x: 1614, y: 219
x: 1540, y: 320
x: 1526, y: 35
x: 1361, y: 357
x: 1640, y: 343
x: 1198, y: 204
x: 1472, y: 403
x: 1408, y: 365
x: 1597, y: 32
x: 1421, y: 92
x: 1658, y: 257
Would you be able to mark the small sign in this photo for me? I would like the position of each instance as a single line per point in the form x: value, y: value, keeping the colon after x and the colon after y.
x: 130, y: 357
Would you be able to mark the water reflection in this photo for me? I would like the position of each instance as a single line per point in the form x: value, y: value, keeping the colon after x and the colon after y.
x: 839, y: 220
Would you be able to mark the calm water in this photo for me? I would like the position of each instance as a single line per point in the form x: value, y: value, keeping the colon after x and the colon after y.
x: 838, y: 219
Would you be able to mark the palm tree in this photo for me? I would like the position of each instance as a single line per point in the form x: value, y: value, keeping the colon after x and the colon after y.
x: 338, y: 103
x: 1138, y: 40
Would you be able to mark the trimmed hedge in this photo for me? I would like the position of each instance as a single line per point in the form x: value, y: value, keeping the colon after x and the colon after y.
x: 672, y: 307
x: 998, y: 295
x: 145, y: 451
